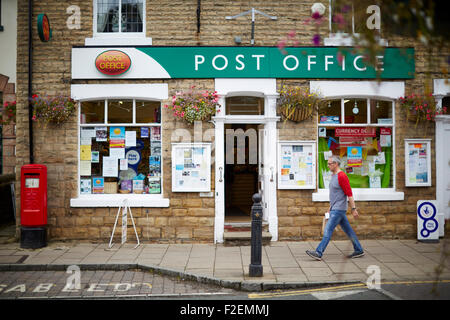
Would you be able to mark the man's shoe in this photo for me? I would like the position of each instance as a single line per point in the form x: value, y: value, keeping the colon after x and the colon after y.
x: 314, y: 255
x: 356, y: 255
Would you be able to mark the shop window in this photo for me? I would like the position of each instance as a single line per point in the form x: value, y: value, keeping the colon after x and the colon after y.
x: 361, y: 133
x: 120, y: 111
x: 355, y: 111
x: 120, y: 147
x: 92, y: 112
x: 119, y: 16
x: 244, y: 106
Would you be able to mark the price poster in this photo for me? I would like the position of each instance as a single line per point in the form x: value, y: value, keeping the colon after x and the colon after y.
x: 296, y: 165
x: 191, y: 167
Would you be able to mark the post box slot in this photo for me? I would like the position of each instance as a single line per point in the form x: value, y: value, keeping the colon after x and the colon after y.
x: 31, y: 182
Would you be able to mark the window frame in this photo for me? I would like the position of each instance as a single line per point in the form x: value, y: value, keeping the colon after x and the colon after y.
x: 120, y: 33
x: 106, y: 124
x: 344, y: 38
x: 363, y: 194
x: 84, y: 92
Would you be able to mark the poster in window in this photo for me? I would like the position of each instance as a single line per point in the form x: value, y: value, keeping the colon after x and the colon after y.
x: 417, y: 162
x: 191, y: 167
x: 296, y: 165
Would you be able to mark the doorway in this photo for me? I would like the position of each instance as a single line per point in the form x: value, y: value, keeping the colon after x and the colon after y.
x: 241, y: 170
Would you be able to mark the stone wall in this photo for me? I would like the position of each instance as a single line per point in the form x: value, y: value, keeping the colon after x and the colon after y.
x: 189, y: 217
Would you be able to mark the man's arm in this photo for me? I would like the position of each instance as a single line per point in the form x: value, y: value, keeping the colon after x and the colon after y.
x: 345, y: 185
x: 352, y: 205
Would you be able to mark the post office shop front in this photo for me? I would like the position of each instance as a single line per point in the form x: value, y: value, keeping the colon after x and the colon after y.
x: 180, y: 179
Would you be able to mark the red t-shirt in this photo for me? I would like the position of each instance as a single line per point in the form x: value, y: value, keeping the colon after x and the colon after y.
x: 345, y: 184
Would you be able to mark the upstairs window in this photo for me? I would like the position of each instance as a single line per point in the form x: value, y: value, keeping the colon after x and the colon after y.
x: 119, y: 16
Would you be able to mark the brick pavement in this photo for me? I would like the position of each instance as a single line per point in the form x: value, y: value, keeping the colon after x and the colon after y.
x: 285, y: 264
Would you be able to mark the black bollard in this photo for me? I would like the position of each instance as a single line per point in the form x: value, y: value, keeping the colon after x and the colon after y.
x: 256, y: 268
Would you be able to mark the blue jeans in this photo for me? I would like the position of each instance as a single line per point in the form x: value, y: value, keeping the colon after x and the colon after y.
x: 338, y: 217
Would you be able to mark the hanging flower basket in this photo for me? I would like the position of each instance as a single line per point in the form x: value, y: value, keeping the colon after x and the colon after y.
x: 297, y: 103
x: 194, y: 105
x: 8, y: 115
x: 296, y: 114
x: 421, y: 108
x: 55, y: 110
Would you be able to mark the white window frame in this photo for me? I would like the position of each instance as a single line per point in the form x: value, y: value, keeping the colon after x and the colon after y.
x: 386, y: 90
x: 118, y: 38
x: 150, y: 92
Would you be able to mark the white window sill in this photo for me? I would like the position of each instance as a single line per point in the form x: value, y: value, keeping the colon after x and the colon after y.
x: 346, y: 40
x: 363, y: 194
x: 118, y: 40
x: 116, y: 200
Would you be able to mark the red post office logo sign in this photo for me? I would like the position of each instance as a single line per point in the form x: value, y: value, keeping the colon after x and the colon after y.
x: 113, y: 62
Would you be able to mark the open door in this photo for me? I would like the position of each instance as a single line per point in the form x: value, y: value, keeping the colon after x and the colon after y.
x: 241, y: 171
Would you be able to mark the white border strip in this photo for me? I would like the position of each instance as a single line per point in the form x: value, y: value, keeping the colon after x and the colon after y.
x: 154, y: 91
x: 384, y: 89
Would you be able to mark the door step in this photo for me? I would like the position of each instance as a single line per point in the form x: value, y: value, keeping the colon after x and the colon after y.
x: 243, y: 226
x: 243, y: 238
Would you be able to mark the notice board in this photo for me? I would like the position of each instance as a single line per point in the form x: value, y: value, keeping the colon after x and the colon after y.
x: 296, y: 165
x: 191, y: 167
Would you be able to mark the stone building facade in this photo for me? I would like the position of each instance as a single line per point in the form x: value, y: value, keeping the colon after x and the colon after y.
x: 193, y: 216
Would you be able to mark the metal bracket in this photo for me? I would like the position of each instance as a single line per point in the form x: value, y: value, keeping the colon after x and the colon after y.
x: 253, y: 11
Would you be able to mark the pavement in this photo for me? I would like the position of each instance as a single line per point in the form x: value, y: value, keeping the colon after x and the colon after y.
x: 285, y: 264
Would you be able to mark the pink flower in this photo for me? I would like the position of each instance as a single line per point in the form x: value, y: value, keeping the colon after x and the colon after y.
x: 316, y: 39
x: 340, y: 59
x: 291, y: 34
x: 316, y: 15
x: 281, y: 44
x: 33, y: 118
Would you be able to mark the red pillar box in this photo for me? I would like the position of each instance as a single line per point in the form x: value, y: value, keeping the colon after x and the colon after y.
x: 33, y: 206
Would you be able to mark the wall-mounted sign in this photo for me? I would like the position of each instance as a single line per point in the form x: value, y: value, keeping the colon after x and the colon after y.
x: 356, y: 132
x: 43, y: 26
x: 113, y: 62
x: 427, y: 220
x: 417, y: 162
x: 247, y: 62
x: 296, y: 165
x: 191, y: 167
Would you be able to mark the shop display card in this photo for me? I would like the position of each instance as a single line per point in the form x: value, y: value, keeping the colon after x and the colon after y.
x: 110, y: 167
x: 98, y: 185
x: 85, y: 186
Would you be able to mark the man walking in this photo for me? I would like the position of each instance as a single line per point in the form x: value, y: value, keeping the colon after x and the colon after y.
x: 339, y: 191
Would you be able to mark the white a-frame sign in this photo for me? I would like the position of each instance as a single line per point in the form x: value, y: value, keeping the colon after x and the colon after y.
x: 125, y: 208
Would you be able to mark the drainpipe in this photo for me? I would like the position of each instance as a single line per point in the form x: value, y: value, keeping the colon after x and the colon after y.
x: 30, y: 77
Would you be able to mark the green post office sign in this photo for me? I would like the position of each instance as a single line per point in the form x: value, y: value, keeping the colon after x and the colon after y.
x: 247, y: 62
x: 269, y: 62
